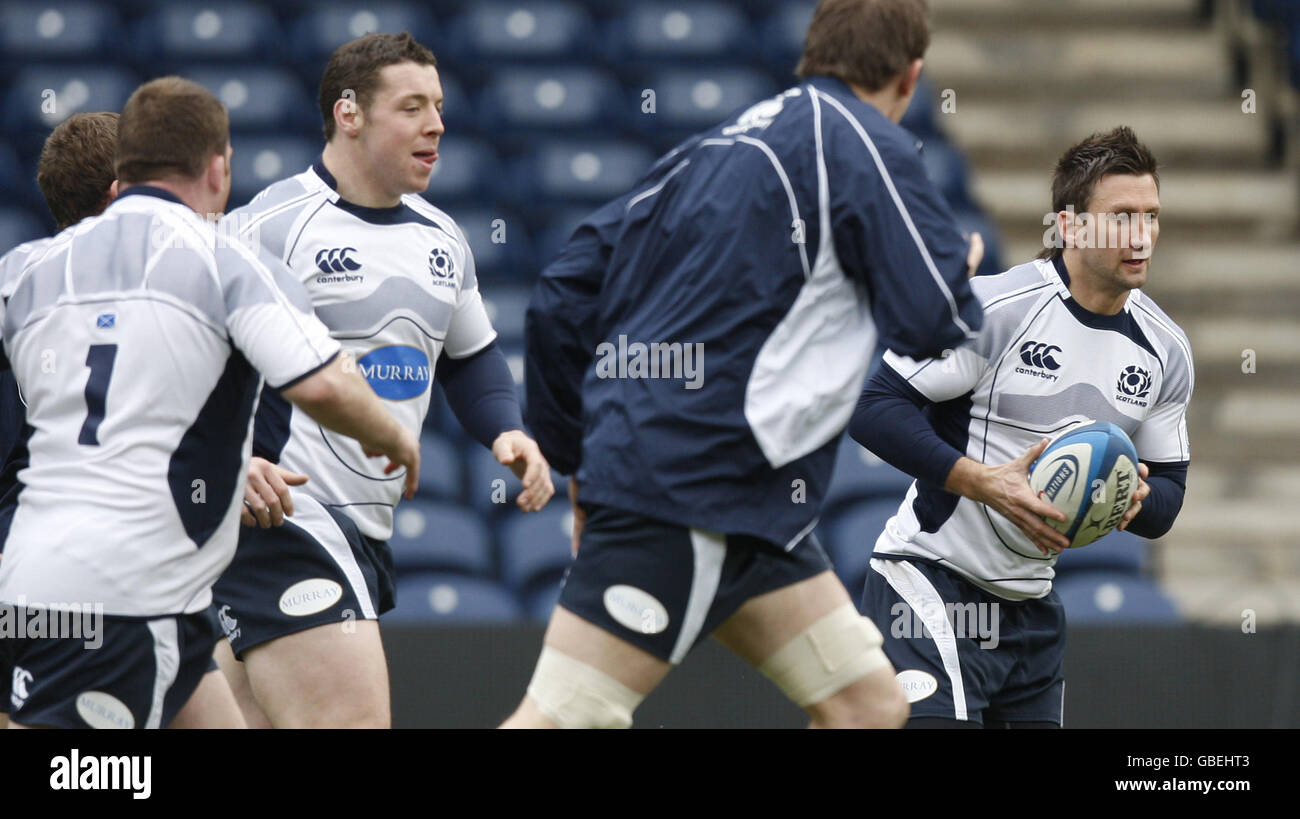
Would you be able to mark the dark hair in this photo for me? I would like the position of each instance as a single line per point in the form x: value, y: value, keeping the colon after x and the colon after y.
x: 865, y: 42
x: 75, y: 170
x: 1082, y: 166
x: 355, y: 66
x: 170, y: 127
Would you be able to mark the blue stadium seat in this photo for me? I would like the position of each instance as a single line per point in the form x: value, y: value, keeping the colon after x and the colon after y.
x: 18, y: 226
x: 550, y: 99
x: 850, y: 538
x: 946, y: 168
x: 503, y: 251
x: 525, y: 30
x: 324, y: 28
x: 1113, y: 598
x: 429, y: 534
x: 535, y: 547
x: 1118, y: 551
x: 18, y: 182
x: 55, y: 31
x: 451, y: 599
x: 782, y: 35
x: 440, y: 468
x: 260, y: 98
x: 539, y: 604
x: 559, y: 228
x: 190, y: 31
x: 860, y: 474
x: 691, y: 100
x: 584, y: 171
x: 42, y: 96
x: 467, y: 171
x: 260, y: 160
x: 506, y: 307
x: 680, y: 31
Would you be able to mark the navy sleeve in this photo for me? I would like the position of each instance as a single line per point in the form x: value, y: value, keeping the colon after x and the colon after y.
x: 481, y: 392
x: 889, y: 421
x: 894, y: 233
x: 1168, y: 482
x: 560, y: 331
x: 271, y: 425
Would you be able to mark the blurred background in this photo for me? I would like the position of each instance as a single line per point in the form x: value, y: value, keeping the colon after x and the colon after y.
x: 554, y: 106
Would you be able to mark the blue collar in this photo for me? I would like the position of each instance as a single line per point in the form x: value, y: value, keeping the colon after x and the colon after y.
x: 395, y: 215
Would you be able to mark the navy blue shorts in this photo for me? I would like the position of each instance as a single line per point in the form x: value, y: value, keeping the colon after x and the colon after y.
x: 122, y: 672
x: 962, y: 653
x: 314, y: 570
x: 663, y: 587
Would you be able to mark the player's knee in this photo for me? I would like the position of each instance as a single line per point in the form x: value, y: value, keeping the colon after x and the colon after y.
x: 837, y: 670
x: 572, y: 694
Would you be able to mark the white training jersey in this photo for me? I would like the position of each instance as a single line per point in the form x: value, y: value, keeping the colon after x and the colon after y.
x: 137, y: 340
x: 396, y: 286
x: 1040, y: 364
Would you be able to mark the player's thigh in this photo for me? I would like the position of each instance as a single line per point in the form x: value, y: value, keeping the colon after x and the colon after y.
x: 240, y: 687
x: 787, y: 633
x: 325, y: 676
x: 212, y: 705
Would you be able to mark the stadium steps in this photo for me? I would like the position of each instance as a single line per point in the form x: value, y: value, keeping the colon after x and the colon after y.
x: 1031, y: 78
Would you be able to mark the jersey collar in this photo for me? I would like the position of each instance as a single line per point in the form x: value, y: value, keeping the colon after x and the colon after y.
x: 151, y: 190
x: 396, y: 215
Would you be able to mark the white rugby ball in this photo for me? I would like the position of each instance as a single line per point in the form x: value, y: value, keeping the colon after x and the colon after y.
x: 1090, y: 473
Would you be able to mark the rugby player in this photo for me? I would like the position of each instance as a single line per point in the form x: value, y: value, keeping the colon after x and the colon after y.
x: 1067, y: 337
x: 171, y: 324
x: 777, y: 248
x: 393, y: 279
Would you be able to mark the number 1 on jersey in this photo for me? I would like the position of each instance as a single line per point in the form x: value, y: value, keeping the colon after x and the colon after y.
x: 99, y: 358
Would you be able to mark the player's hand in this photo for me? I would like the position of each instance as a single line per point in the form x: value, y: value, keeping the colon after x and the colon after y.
x: 975, y: 256
x: 519, y: 452
x: 579, y: 516
x: 1005, y: 488
x: 1143, y: 490
x: 266, y: 494
x: 405, y: 452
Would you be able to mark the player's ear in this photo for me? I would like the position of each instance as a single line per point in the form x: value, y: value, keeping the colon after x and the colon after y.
x: 1065, y: 225
x: 347, y: 115
x: 909, y: 78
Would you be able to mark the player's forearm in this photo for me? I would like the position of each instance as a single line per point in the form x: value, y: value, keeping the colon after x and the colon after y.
x: 1160, y: 508
x: 481, y: 393
x: 889, y: 422
x: 341, y: 400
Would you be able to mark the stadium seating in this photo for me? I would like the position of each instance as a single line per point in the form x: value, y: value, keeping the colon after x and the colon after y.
x: 535, y: 548
x: 467, y: 170
x: 1117, y: 551
x: 594, y: 171
x: 430, y: 534
x: 45, y: 31
x: 859, y: 474
x: 325, y: 27
x: 18, y: 226
x: 506, y: 307
x: 851, y: 536
x: 188, y: 31
x: 261, y: 99
x: 260, y: 160
x: 430, y: 598
x: 661, y: 32
x: 1113, y: 598
x: 440, y: 468
x: 499, y: 240
x: 694, y: 99
x: 522, y: 31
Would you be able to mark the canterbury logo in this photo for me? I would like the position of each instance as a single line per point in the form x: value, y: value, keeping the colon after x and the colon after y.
x: 1040, y: 355
x: 337, y: 260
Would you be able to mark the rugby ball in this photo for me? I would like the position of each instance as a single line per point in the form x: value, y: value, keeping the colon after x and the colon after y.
x: 1090, y: 473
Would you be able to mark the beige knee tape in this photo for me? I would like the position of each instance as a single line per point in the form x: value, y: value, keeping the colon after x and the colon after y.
x: 572, y: 694
x: 836, y: 651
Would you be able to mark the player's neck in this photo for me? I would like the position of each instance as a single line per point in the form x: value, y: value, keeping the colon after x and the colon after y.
x: 351, y: 181
x: 886, y: 100
x: 1103, y: 302
x: 191, y: 195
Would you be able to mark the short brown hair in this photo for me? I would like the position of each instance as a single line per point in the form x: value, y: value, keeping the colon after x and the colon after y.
x: 865, y: 42
x: 355, y: 66
x: 1083, y: 165
x: 170, y: 127
x: 76, y: 170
